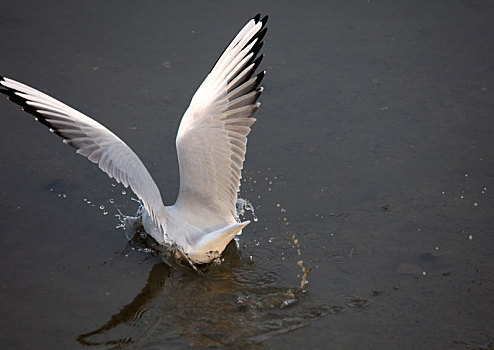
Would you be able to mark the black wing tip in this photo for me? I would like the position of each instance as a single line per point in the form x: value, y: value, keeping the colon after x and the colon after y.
x: 264, y: 20
x: 255, y: 50
x: 3, y: 89
x: 22, y: 102
x: 255, y: 65
x: 259, y: 78
x: 261, y: 34
x: 12, y: 96
x: 257, y: 18
x: 258, y: 37
x: 257, y: 61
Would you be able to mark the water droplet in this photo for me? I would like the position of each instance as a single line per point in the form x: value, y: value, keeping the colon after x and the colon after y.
x: 105, y: 213
x: 102, y: 207
x: 64, y: 195
x: 243, y: 205
x: 111, y: 201
x: 124, y: 192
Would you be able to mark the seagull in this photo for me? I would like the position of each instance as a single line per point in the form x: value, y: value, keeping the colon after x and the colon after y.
x: 211, y: 144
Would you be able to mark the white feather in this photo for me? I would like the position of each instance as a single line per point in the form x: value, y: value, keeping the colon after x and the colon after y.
x: 211, y: 145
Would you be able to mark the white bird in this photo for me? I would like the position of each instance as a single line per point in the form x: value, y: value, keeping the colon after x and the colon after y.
x: 211, y: 144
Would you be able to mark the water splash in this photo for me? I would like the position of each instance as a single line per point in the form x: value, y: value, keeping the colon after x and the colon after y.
x: 244, y: 205
x: 184, y: 308
x: 296, y: 243
x: 271, y: 181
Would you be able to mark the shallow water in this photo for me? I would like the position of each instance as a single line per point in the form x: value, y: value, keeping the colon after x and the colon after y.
x: 372, y: 164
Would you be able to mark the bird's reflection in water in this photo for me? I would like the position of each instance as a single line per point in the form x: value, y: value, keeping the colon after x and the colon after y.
x: 232, y: 304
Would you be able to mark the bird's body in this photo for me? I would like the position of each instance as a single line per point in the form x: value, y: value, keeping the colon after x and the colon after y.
x: 196, y: 231
x: 211, y: 144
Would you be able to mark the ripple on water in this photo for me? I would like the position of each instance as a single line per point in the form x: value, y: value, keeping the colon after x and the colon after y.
x: 355, y: 302
x: 233, y: 304
x: 338, y: 258
x: 343, y: 217
x: 314, y: 236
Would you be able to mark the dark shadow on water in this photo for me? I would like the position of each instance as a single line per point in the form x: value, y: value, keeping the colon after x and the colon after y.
x: 232, y: 304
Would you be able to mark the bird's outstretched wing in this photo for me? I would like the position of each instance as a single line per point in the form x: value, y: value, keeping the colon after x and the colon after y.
x: 212, y: 138
x: 92, y: 140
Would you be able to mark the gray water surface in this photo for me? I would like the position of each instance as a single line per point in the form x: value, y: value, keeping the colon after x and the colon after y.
x: 372, y: 163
